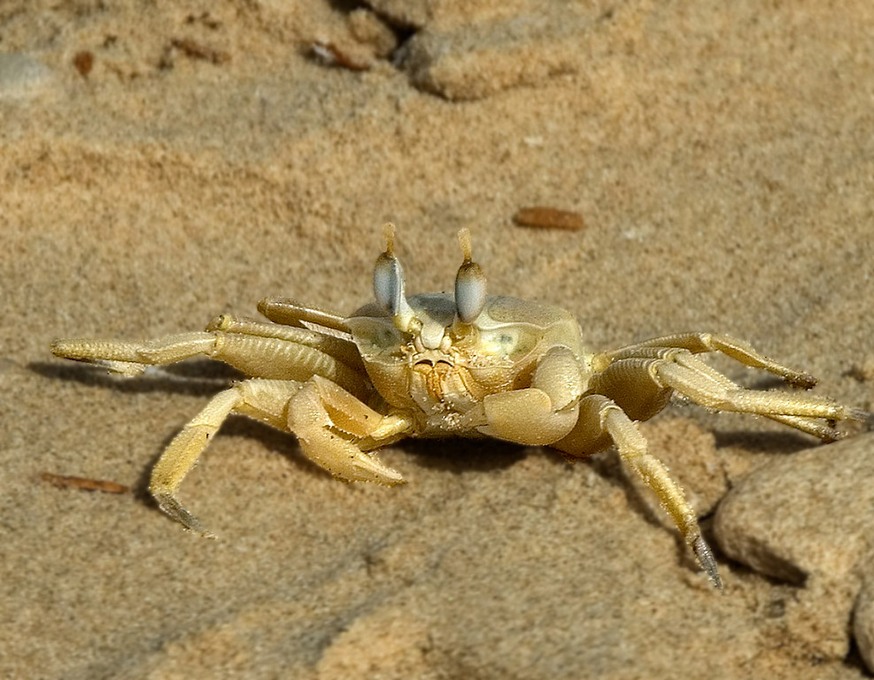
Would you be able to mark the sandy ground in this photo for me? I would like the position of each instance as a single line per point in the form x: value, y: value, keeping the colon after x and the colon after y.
x: 163, y: 162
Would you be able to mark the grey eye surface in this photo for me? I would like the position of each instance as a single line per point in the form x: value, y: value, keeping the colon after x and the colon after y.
x: 470, y: 292
x: 388, y: 286
x: 388, y: 282
x: 470, y: 283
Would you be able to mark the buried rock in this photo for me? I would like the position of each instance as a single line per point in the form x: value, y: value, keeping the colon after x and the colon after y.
x: 807, y: 519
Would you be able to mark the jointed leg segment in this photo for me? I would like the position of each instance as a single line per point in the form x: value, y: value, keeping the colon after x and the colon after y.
x: 328, y: 421
x: 182, y: 453
x: 694, y: 379
x: 260, y: 350
x: 600, y: 418
x: 697, y: 343
x: 643, y: 375
x: 131, y: 358
x: 265, y: 400
x: 304, y: 382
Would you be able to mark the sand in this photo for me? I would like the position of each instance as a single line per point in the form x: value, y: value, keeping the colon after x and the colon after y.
x: 162, y: 163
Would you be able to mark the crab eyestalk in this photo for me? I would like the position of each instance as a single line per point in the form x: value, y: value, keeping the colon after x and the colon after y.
x: 388, y: 286
x: 470, y: 286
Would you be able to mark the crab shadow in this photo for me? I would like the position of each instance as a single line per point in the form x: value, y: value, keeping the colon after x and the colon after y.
x: 197, y: 378
x: 459, y: 455
x: 776, y: 443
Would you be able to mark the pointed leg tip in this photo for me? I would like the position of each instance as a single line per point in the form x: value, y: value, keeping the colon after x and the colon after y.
x: 716, y: 581
x: 707, y: 561
x: 173, y: 508
x: 398, y: 480
x: 861, y: 415
x: 803, y: 380
x: 384, y: 476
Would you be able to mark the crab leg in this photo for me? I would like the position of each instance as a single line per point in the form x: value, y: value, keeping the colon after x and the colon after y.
x: 288, y: 312
x: 264, y: 400
x: 636, y: 386
x: 131, y: 358
x: 697, y: 343
x: 327, y: 420
x: 601, y: 420
x: 686, y: 374
x: 261, y: 350
x: 738, y: 350
x: 811, y: 426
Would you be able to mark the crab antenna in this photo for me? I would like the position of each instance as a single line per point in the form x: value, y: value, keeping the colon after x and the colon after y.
x: 470, y: 283
x: 388, y: 285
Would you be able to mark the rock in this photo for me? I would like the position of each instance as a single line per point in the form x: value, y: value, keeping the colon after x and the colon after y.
x: 404, y: 13
x: 807, y: 519
x: 863, y: 622
x: 466, y: 61
x: 367, y: 28
x: 22, y: 76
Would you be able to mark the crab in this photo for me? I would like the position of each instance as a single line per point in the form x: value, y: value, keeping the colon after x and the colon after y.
x: 441, y: 365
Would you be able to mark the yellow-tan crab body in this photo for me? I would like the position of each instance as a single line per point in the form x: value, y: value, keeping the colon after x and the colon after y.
x: 464, y: 364
x: 443, y: 379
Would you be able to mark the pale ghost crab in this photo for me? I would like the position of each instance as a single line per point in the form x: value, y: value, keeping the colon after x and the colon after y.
x: 438, y: 365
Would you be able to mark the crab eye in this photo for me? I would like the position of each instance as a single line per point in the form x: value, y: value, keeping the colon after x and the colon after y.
x: 470, y: 292
x: 388, y: 285
x: 470, y: 284
x: 388, y: 282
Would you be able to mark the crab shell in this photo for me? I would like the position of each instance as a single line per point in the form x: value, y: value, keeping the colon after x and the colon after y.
x: 456, y: 365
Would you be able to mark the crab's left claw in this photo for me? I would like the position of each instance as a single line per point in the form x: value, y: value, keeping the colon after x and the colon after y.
x: 543, y: 413
x: 332, y: 425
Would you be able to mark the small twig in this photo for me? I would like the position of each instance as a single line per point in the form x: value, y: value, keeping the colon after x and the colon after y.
x: 83, y: 483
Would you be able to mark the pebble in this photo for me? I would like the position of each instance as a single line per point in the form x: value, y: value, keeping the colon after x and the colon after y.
x: 470, y: 61
x: 22, y: 76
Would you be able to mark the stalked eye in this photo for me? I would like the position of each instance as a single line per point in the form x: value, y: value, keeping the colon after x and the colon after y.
x: 470, y: 284
x: 388, y: 275
x: 388, y: 285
